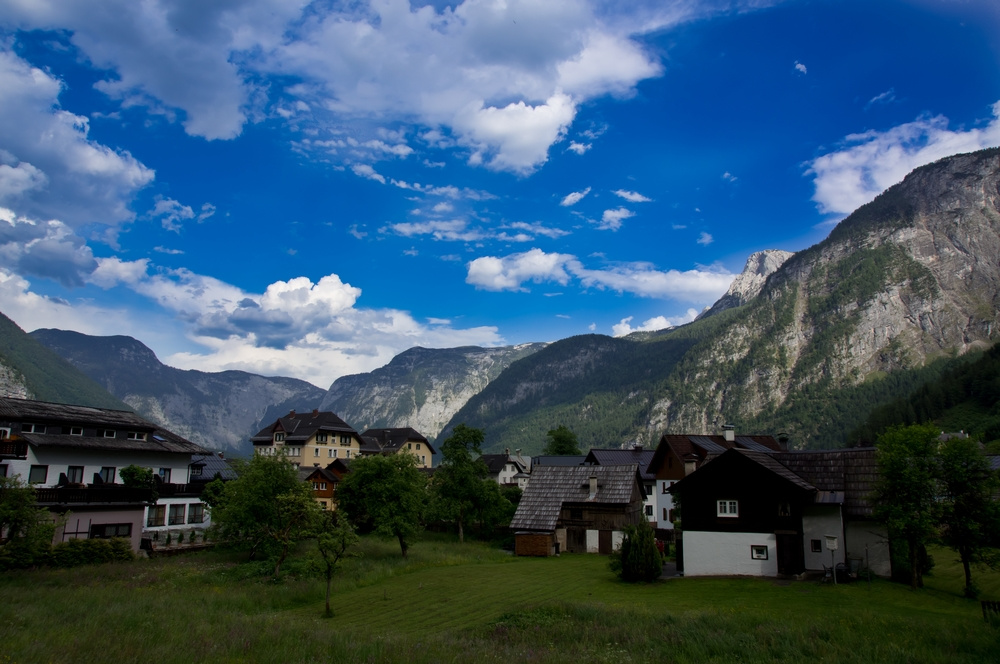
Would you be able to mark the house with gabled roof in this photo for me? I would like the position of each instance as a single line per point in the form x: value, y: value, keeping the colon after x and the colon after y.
x: 312, y: 439
x: 633, y: 455
x: 73, y: 456
x: 678, y: 455
x: 750, y: 512
x: 324, y: 482
x: 401, y: 440
x: 507, y: 470
x: 577, y: 509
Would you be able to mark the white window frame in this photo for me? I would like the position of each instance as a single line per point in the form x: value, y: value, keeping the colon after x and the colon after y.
x: 727, y: 508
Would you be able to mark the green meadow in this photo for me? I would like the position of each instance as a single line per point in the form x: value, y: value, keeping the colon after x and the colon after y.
x: 470, y: 603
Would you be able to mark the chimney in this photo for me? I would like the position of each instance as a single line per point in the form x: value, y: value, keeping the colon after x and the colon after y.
x: 593, y: 487
x: 315, y: 412
x: 729, y: 431
x: 291, y: 413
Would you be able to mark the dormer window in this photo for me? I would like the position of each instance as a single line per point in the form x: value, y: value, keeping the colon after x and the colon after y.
x: 76, y: 431
x: 137, y: 435
x: 108, y: 433
x: 32, y: 428
x: 278, y: 437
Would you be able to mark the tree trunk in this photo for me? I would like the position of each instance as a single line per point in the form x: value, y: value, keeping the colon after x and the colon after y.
x: 914, y: 566
x: 402, y: 544
x: 966, y: 557
x: 329, y: 575
x: 461, y: 530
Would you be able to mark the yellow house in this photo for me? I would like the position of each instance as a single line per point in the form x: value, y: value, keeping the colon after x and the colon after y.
x: 311, y: 440
x: 403, y: 440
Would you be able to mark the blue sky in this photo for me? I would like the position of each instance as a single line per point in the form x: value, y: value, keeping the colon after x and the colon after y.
x: 309, y: 188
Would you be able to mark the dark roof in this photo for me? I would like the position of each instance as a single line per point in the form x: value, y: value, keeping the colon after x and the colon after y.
x: 636, y: 455
x: 213, y: 464
x: 306, y: 474
x: 551, y: 486
x: 157, y: 443
x: 300, y: 426
x: 556, y: 460
x: 496, y: 462
x: 45, y: 412
x: 697, y: 447
x: 391, y: 440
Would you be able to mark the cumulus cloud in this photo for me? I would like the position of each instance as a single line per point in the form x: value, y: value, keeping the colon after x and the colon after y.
x: 47, y: 249
x: 611, y: 220
x: 49, y: 167
x: 632, y: 196
x: 624, y: 327
x: 801, y: 68
x: 705, y: 239
x: 511, y: 273
x: 578, y: 148
x: 574, y: 197
x: 871, y: 162
x: 367, y: 171
x: 171, y: 213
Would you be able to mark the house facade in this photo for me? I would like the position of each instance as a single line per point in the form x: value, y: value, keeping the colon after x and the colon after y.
x: 639, y: 456
x: 73, y: 456
x: 402, y: 440
x: 747, y: 512
x: 577, y: 509
x: 507, y: 470
x: 678, y: 455
x: 311, y: 440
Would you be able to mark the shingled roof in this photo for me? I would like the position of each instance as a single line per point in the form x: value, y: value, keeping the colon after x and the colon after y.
x: 698, y: 448
x: 618, y: 457
x: 392, y: 439
x: 551, y: 486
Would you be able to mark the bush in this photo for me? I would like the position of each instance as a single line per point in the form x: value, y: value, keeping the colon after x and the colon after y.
x: 637, y: 558
x: 76, y: 552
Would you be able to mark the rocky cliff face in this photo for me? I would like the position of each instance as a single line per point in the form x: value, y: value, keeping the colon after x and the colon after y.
x: 747, y: 285
x: 421, y: 387
x: 12, y: 383
x: 216, y: 410
x: 909, y: 277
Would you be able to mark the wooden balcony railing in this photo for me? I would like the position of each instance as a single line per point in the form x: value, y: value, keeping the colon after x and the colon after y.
x: 78, y: 496
x: 13, y: 449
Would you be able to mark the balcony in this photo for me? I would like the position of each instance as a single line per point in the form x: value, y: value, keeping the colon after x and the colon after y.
x: 82, y: 496
x: 180, y: 490
x: 13, y: 449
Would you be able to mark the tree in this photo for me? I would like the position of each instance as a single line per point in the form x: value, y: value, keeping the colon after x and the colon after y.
x: 562, y: 442
x: 458, y: 480
x: 904, y: 493
x: 334, y: 536
x: 386, y: 494
x: 970, y: 517
x: 139, y: 477
x: 637, y: 558
x: 26, y: 530
x: 266, y: 509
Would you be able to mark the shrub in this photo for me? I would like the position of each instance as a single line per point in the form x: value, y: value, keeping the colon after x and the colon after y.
x: 637, y: 558
x: 75, y: 552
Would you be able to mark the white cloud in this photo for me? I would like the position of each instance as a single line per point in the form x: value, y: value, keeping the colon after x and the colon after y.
x: 705, y: 239
x: 729, y: 177
x: 50, y: 168
x: 538, y: 229
x: 632, y: 196
x: 801, y: 68
x: 171, y: 213
x: 574, y: 197
x: 113, y: 271
x: 625, y: 328
x: 48, y: 249
x: 578, y: 148
x: 455, y: 230
x: 367, y: 171
x: 612, y: 219
x: 510, y: 273
x: 873, y: 161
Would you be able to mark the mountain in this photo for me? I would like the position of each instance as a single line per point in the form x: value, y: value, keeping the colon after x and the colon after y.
x: 216, y: 410
x: 746, y: 286
x: 421, y: 387
x: 898, y: 287
x: 29, y: 370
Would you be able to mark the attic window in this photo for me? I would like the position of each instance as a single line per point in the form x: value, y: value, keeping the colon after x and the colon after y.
x: 108, y: 433
x: 136, y: 435
x: 278, y: 437
x: 321, y: 438
x: 76, y: 431
x: 728, y: 508
x: 32, y: 428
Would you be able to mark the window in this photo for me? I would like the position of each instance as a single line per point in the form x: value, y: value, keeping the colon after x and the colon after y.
x: 196, y: 471
x: 107, y: 475
x: 758, y: 551
x: 75, y: 474
x: 76, y: 431
x: 278, y: 437
x: 165, y: 475
x: 32, y: 428
x: 345, y: 440
x: 156, y: 516
x: 423, y: 459
x: 347, y: 454
x: 108, y: 433
x: 666, y: 489
x: 108, y: 530
x: 4, y: 433
x: 784, y: 508
x: 649, y: 510
x: 409, y: 446
x: 196, y: 513
x: 816, y: 546
x: 319, y: 486
x: 177, y: 515
x: 321, y: 438
x: 3, y: 470
x: 673, y: 516
x: 315, y: 451
x: 322, y: 504
x: 136, y: 435
x: 293, y: 451
x: 332, y: 453
x: 664, y: 514
x: 649, y: 489
x: 38, y: 474
x: 728, y: 508
x: 418, y: 446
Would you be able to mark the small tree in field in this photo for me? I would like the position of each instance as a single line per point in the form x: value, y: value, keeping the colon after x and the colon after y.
x: 637, y: 558
x: 458, y: 481
x: 25, y: 530
x: 334, y: 536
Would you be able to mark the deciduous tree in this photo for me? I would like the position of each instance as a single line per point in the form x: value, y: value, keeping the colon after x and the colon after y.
x: 458, y: 480
x: 385, y: 493
x: 562, y: 442
x: 334, y: 537
x: 25, y: 529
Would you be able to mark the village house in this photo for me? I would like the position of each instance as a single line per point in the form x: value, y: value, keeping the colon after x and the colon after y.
x: 678, y: 455
x: 402, y: 440
x: 312, y: 440
x: 324, y: 482
x: 577, y: 509
x: 507, y: 470
x: 633, y: 455
x: 750, y: 512
x: 73, y: 456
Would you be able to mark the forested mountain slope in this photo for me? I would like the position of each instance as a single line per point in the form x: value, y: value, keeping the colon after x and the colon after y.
x: 906, y: 281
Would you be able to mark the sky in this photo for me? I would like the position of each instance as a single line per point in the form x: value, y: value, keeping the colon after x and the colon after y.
x: 307, y: 189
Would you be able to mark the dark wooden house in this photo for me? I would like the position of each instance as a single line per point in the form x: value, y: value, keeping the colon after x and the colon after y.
x: 578, y: 509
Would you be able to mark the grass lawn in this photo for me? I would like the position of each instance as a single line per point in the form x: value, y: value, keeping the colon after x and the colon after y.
x: 469, y: 603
